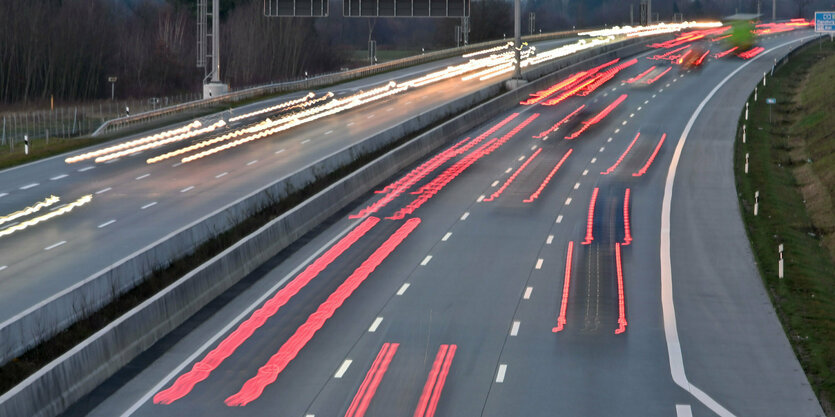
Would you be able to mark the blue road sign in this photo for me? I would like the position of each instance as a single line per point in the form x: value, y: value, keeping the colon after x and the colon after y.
x: 825, y: 22
x: 771, y: 100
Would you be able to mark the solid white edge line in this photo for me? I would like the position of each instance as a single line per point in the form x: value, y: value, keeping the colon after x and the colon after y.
x: 342, y: 369
x: 667, y: 306
x: 501, y: 373
x: 375, y: 324
x: 267, y: 294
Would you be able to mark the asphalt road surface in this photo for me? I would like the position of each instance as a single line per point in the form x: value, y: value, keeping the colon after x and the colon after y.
x: 135, y: 204
x: 452, y: 307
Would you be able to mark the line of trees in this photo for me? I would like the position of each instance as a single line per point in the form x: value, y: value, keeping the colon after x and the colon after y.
x: 68, y: 48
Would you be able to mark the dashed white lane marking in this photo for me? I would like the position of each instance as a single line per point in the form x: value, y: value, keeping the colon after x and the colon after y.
x: 426, y: 260
x: 646, y: 101
x: 507, y: 171
x: 539, y: 263
x: 501, y: 373
x: 151, y: 204
x: 329, y: 132
x: 350, y: 123
x: 522, y: 158
x: 465, y: 215
x: 85, y: 169
x: 559, y: 218
x: 675, y: 79
x: 58, y: 207
x: 617, y: 130
x: 32, y: 185
x: 608, y: 140
x: 533, y: 148
x: 631, y: 115
x: 683, y: 410
x: 514, y: 330
x: 58, y: 177
x: 375, y: 324
x: 480, y: 198
x: 446, y: 236
x: 568, y: 201
x: 585, y: 172
x: 104, y: 190
x: 222, y: 174
x: 105, y: 224
x: 653, y: 96
x: 3, y: 267
x: 593, y: 160
x: 370, y: 116
x: 403, y: 288
x: 576, y: 185
x: 143, y: 176
x: 549, y: 240
x: 640, y: 107
x: 409, y: 102
x: 527, y: 295
x: 305, y: 141
x: 389, y: 109
x: 495, y: 183
x: 605, y: 94
x: 112, y: 161
x: 602, y: 148
x: 342, y: 369
x: 660, y: 90
x: 3, y: 195
x: 55, y: 245
x: 624, y: 123
x: 173, y: 166
x: 187, y: 189
x: 668, y: 85
x: 252, y: 162
x: 279, y: 151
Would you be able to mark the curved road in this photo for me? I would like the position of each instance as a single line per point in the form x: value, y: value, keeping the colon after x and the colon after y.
x: 457, y: 317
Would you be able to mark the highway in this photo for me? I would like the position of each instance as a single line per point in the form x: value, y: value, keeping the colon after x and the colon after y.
x: 512, y: 273
x: 135, y: 204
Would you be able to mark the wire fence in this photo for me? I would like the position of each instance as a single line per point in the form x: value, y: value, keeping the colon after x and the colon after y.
x: 78, y: 120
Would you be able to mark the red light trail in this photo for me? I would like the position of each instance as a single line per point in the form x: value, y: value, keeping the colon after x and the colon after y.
x: 267, y: 374
x: 621, y: 303
x: 590, y: 220
x: 623, y: 155
x: 431, y: 394
x: 646, y: 166
x: 547, y: 179
x: 372, y: 381
x: 510, y: 179
x: 598, y: 117
x: 201, y: 370
x: 566, y: 286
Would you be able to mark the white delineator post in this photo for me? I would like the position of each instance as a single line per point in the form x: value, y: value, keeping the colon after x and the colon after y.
x: 755, y: 93
x: 756, y: 202
x: 746, y: 162
x: 746, y: 111
x: 780, y: 262
x: 743, y: 132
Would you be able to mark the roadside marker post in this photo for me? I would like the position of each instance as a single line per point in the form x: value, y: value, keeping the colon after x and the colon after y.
x: 743, y: 133
x: 746, y: 162
x: 780, y: 262
x: 26, y: 144
x: 755, y: 93
x: 746, y: 111
x: 756, y: 202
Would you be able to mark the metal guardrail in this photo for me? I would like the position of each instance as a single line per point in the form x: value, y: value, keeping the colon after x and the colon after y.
x: 315, y: 82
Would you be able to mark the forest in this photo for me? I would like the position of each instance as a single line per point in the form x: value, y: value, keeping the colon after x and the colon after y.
x: 66, y: 49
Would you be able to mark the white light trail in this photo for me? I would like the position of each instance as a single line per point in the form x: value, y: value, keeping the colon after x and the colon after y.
x: 63, y: 210
x: 29, y: 210
x: 126, y: 145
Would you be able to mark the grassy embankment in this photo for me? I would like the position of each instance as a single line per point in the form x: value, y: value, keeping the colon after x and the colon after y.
x: 792, y: 165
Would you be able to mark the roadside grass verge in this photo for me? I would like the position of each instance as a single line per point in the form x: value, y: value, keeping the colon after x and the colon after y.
x: 792, y: 165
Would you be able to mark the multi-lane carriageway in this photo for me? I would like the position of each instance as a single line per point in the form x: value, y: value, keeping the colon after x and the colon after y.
x: 513, y: 273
